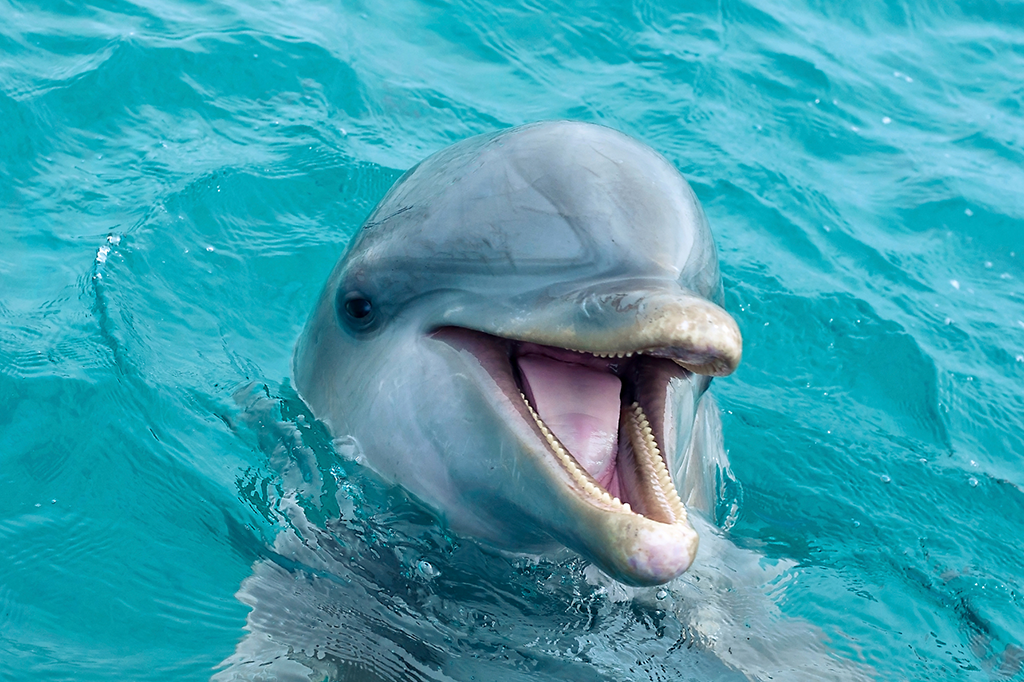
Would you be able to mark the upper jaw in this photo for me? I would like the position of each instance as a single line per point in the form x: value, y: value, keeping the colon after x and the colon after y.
x: 637, y: 529
x: 655, y: 319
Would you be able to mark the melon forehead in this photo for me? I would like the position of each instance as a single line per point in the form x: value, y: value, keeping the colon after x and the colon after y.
x: 566, y: 196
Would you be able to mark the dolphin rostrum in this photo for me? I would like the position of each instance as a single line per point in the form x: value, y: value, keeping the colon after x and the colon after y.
x: 520, y: 335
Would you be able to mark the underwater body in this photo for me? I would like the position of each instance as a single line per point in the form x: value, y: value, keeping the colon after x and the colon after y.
x: 178, y: 180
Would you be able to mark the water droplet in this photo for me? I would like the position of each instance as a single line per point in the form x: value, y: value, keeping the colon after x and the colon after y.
x: 973, y: 482
x: 968, y: 212
x: 427, y: 570
x: 886, y: 120
x: 662, y: 594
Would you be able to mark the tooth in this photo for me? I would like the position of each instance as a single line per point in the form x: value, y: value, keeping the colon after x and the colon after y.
x: 648, y: 457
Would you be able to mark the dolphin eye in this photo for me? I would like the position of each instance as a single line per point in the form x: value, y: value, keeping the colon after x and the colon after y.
x: 355, y: 311
x: 358, y: 307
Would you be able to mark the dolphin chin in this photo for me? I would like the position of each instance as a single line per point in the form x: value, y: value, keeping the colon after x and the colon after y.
x: 521, y: 334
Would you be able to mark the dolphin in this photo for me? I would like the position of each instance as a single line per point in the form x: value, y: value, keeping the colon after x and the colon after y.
x: 521, y: 334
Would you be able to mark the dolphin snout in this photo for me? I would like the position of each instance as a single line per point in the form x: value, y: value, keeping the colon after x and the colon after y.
x: 697, y: 334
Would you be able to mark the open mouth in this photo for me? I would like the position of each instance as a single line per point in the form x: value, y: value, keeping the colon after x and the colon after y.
x: 601, y: 415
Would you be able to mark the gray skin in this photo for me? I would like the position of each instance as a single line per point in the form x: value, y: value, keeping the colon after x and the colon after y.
x: 563, y: 234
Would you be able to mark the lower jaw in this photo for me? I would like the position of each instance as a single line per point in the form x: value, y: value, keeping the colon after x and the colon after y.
x: 638, y: 549
x: 631, y: 548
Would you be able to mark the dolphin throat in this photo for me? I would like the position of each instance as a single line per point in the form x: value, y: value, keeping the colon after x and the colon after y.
x: 581, y: 406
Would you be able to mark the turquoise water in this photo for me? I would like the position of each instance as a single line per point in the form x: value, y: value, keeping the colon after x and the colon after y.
x: 177, y: 179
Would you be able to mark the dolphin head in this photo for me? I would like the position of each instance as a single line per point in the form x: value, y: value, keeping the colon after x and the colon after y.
x: 519, y: 335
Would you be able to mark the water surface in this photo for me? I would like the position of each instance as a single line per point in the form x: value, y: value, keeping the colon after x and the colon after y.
x: 177, y: 179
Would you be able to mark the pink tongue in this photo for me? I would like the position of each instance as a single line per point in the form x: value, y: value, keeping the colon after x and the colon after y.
x: 581, y: 407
